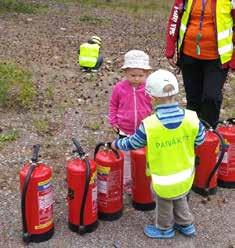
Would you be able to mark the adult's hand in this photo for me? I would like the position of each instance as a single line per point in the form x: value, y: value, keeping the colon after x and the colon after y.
x: 172, y: 62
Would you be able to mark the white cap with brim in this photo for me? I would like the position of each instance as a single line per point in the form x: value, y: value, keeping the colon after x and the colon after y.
x: 156, y: 82
x: 96, y: 39
x: 136, y: 59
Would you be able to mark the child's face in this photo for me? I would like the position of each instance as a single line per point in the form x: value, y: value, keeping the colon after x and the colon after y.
x: 136, y: 76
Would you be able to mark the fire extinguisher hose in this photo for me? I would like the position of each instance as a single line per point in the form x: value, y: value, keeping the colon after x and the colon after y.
x: 26, y: 235
x: 82, y: 211
x: 221, y: 156
x: 81, y: 153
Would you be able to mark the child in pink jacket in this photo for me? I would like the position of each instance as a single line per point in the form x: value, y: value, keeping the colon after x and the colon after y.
x: 129, y: 104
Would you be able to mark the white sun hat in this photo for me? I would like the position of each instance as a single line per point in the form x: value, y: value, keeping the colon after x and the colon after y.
x: 136, y: 59
x: 156, y: 82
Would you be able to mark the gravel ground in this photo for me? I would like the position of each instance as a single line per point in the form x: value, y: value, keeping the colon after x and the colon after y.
x: 46, y: 44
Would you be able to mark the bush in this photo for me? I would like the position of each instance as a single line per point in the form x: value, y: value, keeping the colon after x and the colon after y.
x: 16, y: 86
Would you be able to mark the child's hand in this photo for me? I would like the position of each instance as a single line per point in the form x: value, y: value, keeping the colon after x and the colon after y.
x: 116, y: 129
x: 113, y: 146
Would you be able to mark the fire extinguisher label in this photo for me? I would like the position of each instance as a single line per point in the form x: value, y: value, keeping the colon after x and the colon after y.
x: 94, y: 200
x: 225, y: 158
x: 45, y: 204
x: 103, y: 173
x: 109, y: 185
x: 231, y: 156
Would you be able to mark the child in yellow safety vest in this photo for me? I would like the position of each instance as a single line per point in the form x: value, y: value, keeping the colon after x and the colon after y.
x: 170, y: 134
x: 89, y: 57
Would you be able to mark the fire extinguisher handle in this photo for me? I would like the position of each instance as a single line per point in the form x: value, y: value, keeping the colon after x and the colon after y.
x: 206, y: 124
x: 103, y: 144
x: 97, y: 148
x: 35, y: 156
x: 220, y: 122
x: 115, y: 152
x: 231, y: 120
x: 79, y: 149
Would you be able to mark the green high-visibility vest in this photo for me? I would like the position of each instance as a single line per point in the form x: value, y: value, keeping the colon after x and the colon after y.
x: 88, y: 55
x: 224, y: 26
x: 171, y: 155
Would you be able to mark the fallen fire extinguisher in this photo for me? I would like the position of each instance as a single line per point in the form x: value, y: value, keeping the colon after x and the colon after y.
x: 142, y: 196
x: 226, y: 173
x: 208, y: 161
x: 110, y: 181
x: 36, y: 200
x: 82, y: 192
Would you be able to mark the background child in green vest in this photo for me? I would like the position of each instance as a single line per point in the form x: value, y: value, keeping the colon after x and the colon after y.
x: 170, y: 135
x: 129, y: 104
x: 89, y: 57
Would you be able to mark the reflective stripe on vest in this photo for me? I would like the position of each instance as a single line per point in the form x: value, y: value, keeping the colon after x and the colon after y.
x: 89, y: 54
x: 224, y: 25
x: 172, y: 175
x: 173, y: 179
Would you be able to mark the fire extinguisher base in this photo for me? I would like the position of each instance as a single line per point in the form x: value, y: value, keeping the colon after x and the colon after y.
x: 144, y: 206
x: 37, y: 238
x: 203, y: 192
x: 85, y: 229
x: 110, y: 216
x: 226, y: 184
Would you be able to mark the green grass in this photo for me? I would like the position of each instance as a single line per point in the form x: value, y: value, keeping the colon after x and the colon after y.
x: 94, y: 19
x: 16, y: 87
x: 129, y: 5
x: 20, y: 7
x: 8, y: 137
x: 41, y: 126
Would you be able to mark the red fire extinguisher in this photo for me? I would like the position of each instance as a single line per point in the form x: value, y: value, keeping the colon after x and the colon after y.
x: 142, y: 196
x: 110, y: 181
x: 82, y: 192
x: 226, y: 173
x: 36, y: 200
x: 207, y: 162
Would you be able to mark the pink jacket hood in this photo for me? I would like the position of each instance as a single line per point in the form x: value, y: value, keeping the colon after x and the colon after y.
x: 128, y: 106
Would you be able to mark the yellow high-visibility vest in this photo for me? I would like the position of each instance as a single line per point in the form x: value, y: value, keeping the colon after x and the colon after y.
x: 171, y: 155
x: 224, y: 26
x: 88, y: 55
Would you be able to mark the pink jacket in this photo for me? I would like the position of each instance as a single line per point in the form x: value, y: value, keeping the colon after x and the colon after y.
x: 128, y: 106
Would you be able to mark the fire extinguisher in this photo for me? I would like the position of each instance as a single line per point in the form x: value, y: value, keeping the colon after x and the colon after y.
x: 226, y: 173
x: 110, y: 181
x: 207, y: 162
x: 142, y: 196
x: 82, y: 192
x: 36, y: 200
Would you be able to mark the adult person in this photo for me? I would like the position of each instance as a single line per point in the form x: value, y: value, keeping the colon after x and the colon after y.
x: 203, y: 32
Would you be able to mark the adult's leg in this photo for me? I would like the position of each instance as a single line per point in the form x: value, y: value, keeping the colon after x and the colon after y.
x: 193, y: 79
x: 213, y: 81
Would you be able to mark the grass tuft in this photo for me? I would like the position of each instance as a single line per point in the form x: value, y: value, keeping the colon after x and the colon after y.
x: 16, y: 86
x: 20, y: 7
x: 8, y: 137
